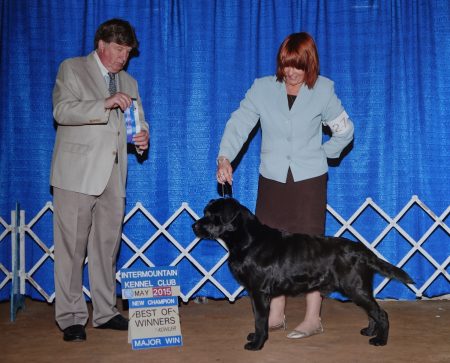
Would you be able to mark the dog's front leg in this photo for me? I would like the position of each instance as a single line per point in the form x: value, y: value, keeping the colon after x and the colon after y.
x: 261, y: 306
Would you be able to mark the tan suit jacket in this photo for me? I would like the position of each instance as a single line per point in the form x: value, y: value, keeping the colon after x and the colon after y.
x: 88, y: 136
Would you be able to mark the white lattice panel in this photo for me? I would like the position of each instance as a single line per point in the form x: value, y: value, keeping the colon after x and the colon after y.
x: 8, y: 230
x: 207, y: 275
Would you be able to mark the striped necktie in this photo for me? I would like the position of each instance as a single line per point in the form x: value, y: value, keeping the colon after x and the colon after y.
x: 113, y: 90
x: 112, y: 83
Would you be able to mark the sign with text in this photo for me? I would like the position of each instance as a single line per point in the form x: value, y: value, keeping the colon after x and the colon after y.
x: 153, y: 307
x: 153, y: 282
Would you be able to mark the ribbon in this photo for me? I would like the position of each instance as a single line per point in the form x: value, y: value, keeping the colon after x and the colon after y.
x: 132, y: 122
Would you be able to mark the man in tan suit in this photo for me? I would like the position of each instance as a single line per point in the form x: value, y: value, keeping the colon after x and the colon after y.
x: 88, y: 175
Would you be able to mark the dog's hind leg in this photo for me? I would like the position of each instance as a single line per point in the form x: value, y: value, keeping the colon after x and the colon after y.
x: 382, y: 327
x: 378, y: 319
x: 261, y: 306
x: 370, y: 330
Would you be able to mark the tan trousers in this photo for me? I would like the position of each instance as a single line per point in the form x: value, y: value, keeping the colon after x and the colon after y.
x: 93, y: 224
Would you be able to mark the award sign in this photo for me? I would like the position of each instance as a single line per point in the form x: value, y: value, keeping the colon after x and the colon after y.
x: 153, y: 306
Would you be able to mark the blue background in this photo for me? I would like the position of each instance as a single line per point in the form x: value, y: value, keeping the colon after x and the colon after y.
x: 390, y: 64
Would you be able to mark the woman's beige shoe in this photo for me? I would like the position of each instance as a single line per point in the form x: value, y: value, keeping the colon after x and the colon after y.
x: 296, y: 334
x: 282, y: 325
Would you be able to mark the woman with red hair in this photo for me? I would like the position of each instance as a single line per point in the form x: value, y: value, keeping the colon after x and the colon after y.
x: 292, y: 107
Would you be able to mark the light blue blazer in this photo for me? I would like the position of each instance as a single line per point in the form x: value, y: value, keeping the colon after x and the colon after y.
x: 290, y: 138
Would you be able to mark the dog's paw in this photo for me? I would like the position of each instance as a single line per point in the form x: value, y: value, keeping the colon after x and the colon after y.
x: 251, y: 337
x: 253, y: 346
x: 377, y: 341
x: 368, y: 332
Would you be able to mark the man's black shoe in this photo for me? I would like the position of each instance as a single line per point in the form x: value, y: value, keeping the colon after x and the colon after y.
x: 116, y: 323
x: 74, y: 333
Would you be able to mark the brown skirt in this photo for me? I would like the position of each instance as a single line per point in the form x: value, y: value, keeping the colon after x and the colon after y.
x: 296, y: 207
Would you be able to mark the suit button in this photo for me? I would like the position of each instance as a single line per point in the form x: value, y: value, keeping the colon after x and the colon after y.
x: 288, y: 157
x: 114, y: 152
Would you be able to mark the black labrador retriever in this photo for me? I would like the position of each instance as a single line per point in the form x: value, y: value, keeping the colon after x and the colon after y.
x: 269, y: 263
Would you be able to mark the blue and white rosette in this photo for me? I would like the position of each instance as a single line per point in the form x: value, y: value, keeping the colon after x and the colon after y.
x: 132, y: 122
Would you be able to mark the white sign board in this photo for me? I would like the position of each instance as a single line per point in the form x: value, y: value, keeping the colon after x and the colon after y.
x: 153, y: 307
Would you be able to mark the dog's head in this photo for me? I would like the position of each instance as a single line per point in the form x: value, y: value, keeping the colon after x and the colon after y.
x: 221, y: 216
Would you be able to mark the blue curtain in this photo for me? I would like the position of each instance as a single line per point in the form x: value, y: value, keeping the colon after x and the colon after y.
x: 390, y: 63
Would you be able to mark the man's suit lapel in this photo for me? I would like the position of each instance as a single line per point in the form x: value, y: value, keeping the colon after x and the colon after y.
x: 126, y: 86
x: 94, y: 72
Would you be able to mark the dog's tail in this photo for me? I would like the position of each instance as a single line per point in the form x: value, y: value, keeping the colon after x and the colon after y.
x: 389, y: 270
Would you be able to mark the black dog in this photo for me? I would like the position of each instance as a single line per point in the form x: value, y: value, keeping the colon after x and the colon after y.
x: 269, y: 263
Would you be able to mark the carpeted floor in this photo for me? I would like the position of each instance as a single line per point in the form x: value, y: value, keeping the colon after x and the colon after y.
x: 216, y: 332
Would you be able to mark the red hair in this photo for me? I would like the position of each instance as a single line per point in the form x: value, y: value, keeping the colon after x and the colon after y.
x: 299, y: 51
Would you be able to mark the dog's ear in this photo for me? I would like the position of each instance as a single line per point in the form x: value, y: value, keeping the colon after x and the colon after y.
x: 229, y: 212
x: 227, y: 215
x: 242, y: 210
x: 228, y: 227
x: 211, y: 202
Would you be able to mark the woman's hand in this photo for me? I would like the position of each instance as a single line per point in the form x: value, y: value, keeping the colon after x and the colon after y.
x: 224, y: 171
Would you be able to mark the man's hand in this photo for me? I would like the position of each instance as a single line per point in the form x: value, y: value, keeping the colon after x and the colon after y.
x: 141, y: 140
x: 119, y: 99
